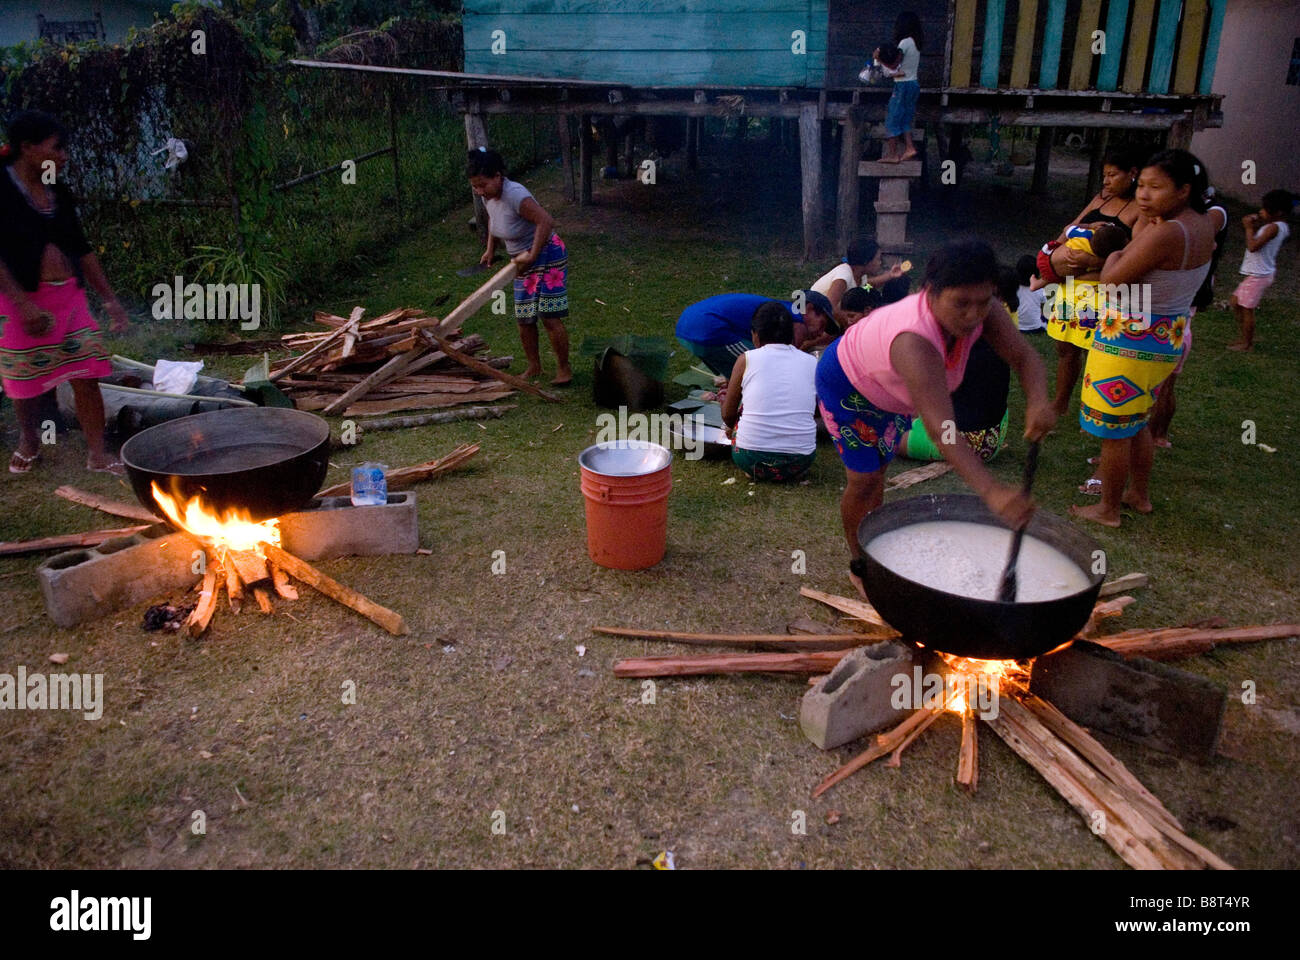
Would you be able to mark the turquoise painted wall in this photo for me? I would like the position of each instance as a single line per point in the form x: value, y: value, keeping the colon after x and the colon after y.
x: 650, y: 42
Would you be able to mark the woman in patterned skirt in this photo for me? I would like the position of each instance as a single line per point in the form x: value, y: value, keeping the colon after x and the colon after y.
x: 528, y: 231
x: 47, y: 333
x: 1133, y: 352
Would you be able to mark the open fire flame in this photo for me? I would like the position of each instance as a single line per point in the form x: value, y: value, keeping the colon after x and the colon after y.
x: 991, y: 673
x: 231, y: 530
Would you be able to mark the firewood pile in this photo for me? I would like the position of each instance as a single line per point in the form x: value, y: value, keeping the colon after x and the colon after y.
x: 402, y: 360
x: 1117, y: 807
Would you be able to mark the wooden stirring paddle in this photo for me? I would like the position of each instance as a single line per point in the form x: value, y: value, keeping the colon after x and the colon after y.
x: 1008, y: 588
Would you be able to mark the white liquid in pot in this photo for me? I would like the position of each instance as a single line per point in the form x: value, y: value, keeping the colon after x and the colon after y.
x: 966, y: 558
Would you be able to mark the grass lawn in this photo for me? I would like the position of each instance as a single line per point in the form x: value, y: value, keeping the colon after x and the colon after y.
x: 487, y: 706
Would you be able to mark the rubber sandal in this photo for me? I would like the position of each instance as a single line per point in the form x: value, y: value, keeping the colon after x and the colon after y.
x: 19, y: 463
x: 1091, y: 487
x: 115, y: 467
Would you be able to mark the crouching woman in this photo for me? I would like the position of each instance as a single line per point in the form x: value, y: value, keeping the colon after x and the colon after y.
x: 774, y: 436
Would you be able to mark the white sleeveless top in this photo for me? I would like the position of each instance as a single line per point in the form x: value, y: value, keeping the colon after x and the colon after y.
x: 1262, y: 262
x: 778, y: 396
x: 842, y: 272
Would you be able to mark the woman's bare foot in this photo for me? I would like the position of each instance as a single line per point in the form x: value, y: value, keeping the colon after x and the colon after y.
x: 562, y: 378
x: 890, y: 159
x: 910, y: 155
x: 1097, y: 514
x: 1130, y: 500
x: 531, y: 373
x: 103, y: 463
x: 1239, y: 347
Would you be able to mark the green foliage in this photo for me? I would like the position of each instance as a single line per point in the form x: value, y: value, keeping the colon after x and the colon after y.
x: 252, y: 265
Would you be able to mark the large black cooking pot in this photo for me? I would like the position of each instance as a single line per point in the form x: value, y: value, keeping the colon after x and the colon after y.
x: 962, y: 626
x: 268, y: 461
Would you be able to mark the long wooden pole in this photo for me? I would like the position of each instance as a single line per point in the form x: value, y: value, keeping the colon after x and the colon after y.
x: 132, y: 511
x: 472, y: 363
x: 390, y: 621
x: 767, y: 641
x: 689, y: 666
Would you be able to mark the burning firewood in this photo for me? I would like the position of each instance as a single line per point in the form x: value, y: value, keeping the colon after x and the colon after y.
x: 207, y: 604
x: 309, y: 575
x: 283, y: 587
x: 234, y: 589
x: 263, y: 599
x: 968, y: 770
x: 250, y: 566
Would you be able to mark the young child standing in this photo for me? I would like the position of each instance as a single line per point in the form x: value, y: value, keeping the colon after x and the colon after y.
x: 1266, y: 230
x: 1029, y: 302
x: 907, y: 89
x: 775, y: 436
x: 528, y: 231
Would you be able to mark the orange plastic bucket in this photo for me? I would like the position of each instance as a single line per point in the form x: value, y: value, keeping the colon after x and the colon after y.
x: 625, y: 486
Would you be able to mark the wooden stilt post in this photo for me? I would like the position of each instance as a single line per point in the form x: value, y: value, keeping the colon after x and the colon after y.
x: 476, y: 136
x: 849, y: 187
x: 1180, y: 134
x: 693, y: 142
x: 566, y: 157
x: 810, y: 162
x: 586, y: 147
x: 1099, y: 147
x: 1042, y: 160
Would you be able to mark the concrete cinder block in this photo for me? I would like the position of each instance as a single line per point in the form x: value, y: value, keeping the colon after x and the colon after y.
x: 854, y: 699
x: 80, y: 584
x: 333, y: 527
x: 1149, y: 703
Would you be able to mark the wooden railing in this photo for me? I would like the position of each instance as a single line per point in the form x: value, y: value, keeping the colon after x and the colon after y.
x: 1160, y: 46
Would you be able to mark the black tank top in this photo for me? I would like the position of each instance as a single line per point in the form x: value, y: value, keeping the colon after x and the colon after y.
x: 1096, y: 216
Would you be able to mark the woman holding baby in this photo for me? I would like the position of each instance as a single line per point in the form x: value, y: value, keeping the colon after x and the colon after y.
x: 1131, y: 355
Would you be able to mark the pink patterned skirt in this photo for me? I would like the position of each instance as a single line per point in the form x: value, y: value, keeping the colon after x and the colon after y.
x: 72, y: 349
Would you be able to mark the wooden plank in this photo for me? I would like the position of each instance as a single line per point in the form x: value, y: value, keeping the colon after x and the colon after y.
x: 392, y: 369
x: 66, y: 540
x: 404, y: 477
x: 478, y: 366
x: 1189, y: 45
x: 859, y: 609
x: 480, y: 297
x: 1116, y: 23
x: 448, y: 416
x: 882, y: 744
x: 1139, y: 42
x: 1162, y: 54
x: 692, y: 666
x: 1210, y: 57
x: 1023, y: 51
x: 309, y: 575
x: 1049, y: 65
x: 349, y: 329
x: 963, y: 40
x: 848, y: 189
x: 424, y: 401
x: 764, y: 641
x: 991, y: 57
x: 117, y: 508
x: 810, y: 166
x: 1130, y: 581
x: 1081, y: 63
x: 1174, y: 643
x: 917, y: 475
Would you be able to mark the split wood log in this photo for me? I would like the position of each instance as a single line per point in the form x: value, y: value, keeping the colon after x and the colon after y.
x: 350, y: 333
x: 968, y: 758
x: 252, y: 568
x: 912, y: 477
x: 426, y: 401
x: 444, y: 416
x: 309, y: 575
x: 393, y: 368
x: 234, y: 590
x: 884, y: 743
x: 1173, y: 643
x: 348, y: 329
x: 932, y: 714
x: 1130, y: 581
x: 263, y: 599
x: 65, y: 540
x: 478, y: 366
x: 765, y: 641
x: 1116, y: 805
x: 709, y: 663
x: 201, y: 615
x: 1101, y: 758
x: 1116, y: 835
x: 280, y: 580
x: 118, y: 508
x: 404, y: 477
x: 854, y: 608
x: 1103, y: 610
x: 479, y: 298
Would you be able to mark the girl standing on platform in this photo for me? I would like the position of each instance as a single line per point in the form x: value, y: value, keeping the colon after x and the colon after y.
x: 907, y: 89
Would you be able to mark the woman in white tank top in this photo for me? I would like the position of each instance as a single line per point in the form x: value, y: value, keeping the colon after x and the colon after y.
x: 775, y: 438
x: 1133, y: 353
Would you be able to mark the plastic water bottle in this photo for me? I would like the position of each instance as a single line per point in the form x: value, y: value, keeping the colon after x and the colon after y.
x: 369, y: 485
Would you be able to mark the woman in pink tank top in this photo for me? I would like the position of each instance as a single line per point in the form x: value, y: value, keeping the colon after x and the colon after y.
x: 908, y: 358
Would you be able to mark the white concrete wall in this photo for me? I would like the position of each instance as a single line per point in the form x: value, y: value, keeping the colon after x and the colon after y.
x: 1261, y: 113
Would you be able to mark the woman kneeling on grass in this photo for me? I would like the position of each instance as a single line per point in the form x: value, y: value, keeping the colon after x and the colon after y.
x: 1131, y: 356
x: 777, y: 436
x: 541, y: 290
x: 907, y: 358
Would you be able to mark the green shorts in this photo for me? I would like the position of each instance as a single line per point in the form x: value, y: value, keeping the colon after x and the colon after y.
x: 917, y: 445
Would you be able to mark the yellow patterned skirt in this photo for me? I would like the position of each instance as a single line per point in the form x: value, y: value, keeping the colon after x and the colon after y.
x: 1128, y: 360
